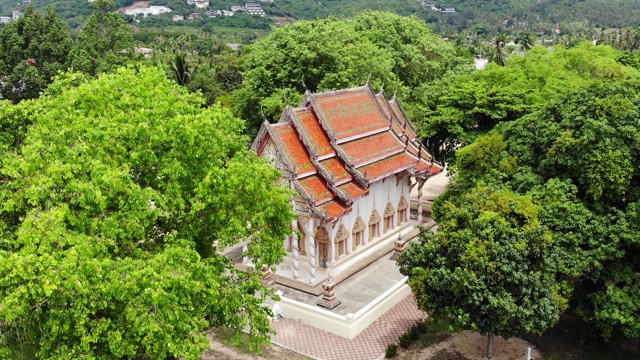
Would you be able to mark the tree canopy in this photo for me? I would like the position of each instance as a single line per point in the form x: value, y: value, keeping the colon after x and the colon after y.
x: 399, y: 52
x: 555, y: 193
x: 33, y: 49
x: 105, y: 42
x: 487, y: 268
x: 118, y: 195
x: 468, y: 105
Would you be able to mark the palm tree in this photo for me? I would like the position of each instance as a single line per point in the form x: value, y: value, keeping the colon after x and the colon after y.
x: 181, y: 70
x: 499, y: 56
x: 525, y: 40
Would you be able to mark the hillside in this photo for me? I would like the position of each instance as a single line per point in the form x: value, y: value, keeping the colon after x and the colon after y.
x: 490, y: 15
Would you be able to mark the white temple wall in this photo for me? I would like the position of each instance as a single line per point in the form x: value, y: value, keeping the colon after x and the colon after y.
x: 380, y: 194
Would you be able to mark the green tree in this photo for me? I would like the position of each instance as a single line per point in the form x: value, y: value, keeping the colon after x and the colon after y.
x: 589, y: 139
x: 465, y: 106
x: 486, y: 269
x: 105, y: 42
x: 116, y: 207
x: 327, y: 54
x: 499, y: 56
x: 33, y: 49
x: 576, y: 161
x: 181, y: 69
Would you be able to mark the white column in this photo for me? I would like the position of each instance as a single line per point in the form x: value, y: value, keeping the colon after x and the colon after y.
x: 296, y: 250
x: 420, y: 186
x: 312, y: 251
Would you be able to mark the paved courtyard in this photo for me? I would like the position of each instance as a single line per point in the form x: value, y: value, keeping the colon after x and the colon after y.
x: 370, y: 344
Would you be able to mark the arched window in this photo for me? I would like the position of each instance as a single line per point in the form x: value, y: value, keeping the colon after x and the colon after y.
x: 374, y: 225
x: 357, y: 234
x: 341, y: 240
x: 403, y: 211
x: 388, y: 217
x: 322, y: 244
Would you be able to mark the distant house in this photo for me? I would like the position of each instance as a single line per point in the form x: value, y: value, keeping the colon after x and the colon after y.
x: 16, y: 14
x: 448, y: 10
x: 4, y: 19
x: 202, y: 4
x: 254, y: 8
x: 177, y: 17
x: 480, y: 62
x: 151, y: 10
x: 147, y: 52
x: 237, y: 9
x: 194, y: 16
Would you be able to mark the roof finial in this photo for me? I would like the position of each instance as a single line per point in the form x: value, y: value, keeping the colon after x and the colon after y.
x: 382, y: 88
x: 368, y: 80
x: 395, y: 92
x: 262, y: 112
x: 306, y: 89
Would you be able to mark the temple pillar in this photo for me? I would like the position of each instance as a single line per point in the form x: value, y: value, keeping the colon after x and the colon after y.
x: 420, y: 186
x: 296, y: 251
x: 312, y: 251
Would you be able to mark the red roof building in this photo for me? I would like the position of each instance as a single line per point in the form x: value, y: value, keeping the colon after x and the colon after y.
x: 351, y: 155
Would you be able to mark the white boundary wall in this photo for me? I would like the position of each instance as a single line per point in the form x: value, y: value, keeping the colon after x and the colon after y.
x: 350, y: 325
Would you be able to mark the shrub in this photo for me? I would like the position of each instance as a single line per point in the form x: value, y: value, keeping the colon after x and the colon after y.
x: 405, y: 340
x: 392, y: 350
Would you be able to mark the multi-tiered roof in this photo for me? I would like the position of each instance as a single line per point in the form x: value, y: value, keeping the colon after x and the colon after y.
x: 338, y: 143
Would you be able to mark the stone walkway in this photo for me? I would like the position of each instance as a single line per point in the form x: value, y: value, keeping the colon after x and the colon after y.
x: 370, y: 344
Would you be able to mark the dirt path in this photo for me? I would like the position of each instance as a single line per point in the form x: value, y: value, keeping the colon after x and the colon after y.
x: 135, y: 5
x: 473, y: 346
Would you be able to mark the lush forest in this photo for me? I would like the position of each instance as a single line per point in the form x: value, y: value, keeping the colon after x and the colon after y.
x: 124, y: 173
x: 478, y: 16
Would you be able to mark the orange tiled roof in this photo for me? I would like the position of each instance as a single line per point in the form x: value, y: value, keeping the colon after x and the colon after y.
x: 336, y: 168
x: 435, y: 169
x: 422, y: 165
x: 317, y: 135
x: 371, y: 147
x: 396, y: 126
x: 398, y: 113
x: 388, y: 166
x: 294, y: 149
x: 350, y: 113
x: 317, y: 188
x: 354, y: 190
x: 353, y: 126
x: 334, y: 209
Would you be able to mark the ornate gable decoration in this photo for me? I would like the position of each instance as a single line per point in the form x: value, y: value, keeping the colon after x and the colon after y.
x: 342, y: 233
x: 358, y: 226
x: 403, y: 204
x: 388, y: 211
x: 375, y: 217
x: 322, y: 235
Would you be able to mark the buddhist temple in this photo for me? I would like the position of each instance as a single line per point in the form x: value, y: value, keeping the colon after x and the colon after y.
x: 352, y: 157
